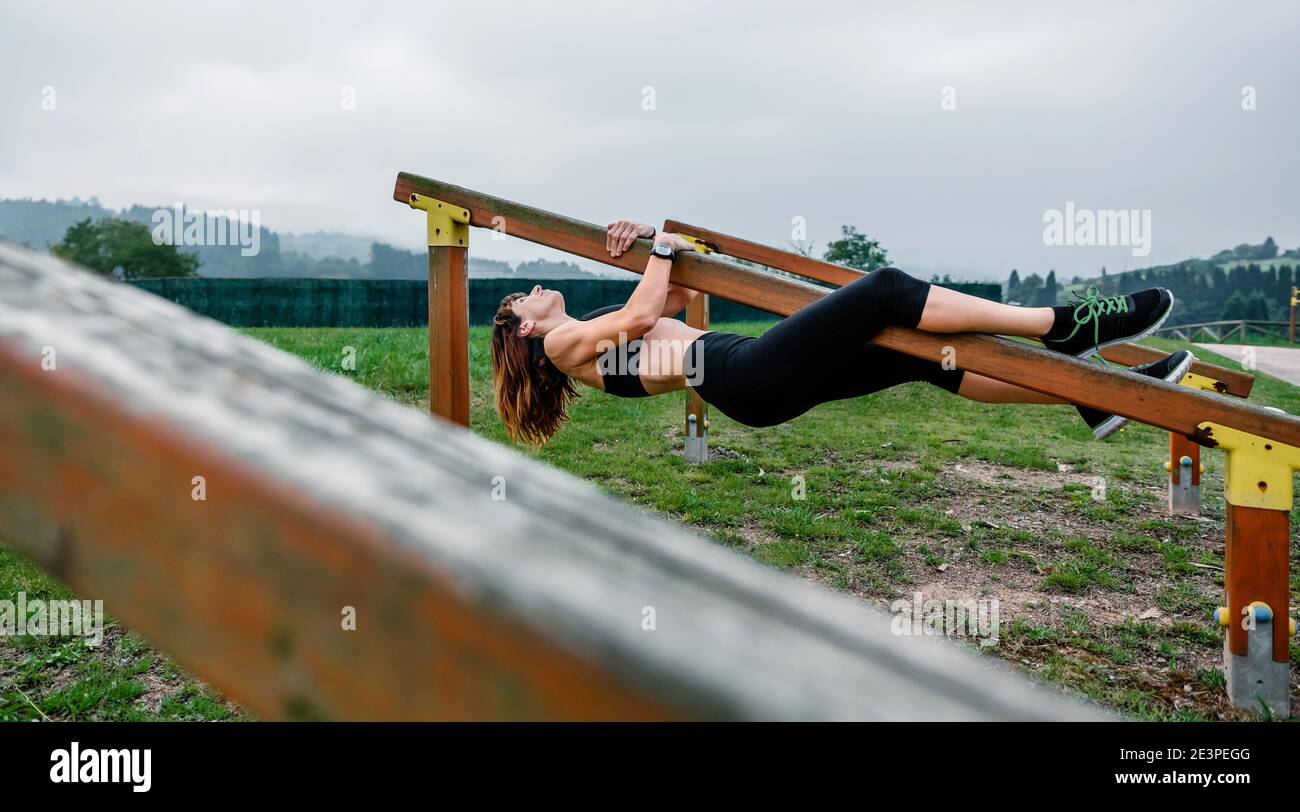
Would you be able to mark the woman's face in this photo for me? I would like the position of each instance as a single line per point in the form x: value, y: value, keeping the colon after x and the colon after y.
x: 539, y: 305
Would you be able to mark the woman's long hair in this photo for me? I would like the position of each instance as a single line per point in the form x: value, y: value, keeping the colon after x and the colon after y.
x: 532, y: 393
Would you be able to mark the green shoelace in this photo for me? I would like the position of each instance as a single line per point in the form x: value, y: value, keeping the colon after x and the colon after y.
x: 1089, y: 308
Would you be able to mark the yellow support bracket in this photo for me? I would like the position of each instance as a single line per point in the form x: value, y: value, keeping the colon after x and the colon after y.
x: 448, y: 225
x: 1194, y: 381
x: 1259, y: 470
x: 701, y: 247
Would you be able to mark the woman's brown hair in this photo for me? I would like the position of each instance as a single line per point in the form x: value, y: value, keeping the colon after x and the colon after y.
x: 532, y: 393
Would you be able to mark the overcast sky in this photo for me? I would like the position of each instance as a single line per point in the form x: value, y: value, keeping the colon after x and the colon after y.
x: 762, y: 112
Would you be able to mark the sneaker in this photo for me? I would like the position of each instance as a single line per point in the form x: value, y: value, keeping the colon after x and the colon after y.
x: 1171, y: 369
x: 1100, y: 323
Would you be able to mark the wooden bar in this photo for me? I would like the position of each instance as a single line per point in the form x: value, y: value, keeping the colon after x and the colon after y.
x: 788, y: 261
x: 449, y: 333
x: 1231, y: 381
x: 1164, y: 405
x: 1130, y: 355
x: 484, y: 584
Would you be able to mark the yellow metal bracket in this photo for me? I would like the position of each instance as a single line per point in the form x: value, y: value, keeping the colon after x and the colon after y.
x: 1194, y: 381
x: 1259, y: 470
x: 448, y: 225
x: 701, y: 247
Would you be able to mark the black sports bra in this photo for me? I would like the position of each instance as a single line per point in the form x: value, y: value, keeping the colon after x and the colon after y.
x: 620, y: 367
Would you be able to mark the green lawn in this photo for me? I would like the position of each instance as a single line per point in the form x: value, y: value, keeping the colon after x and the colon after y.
x: 908, y: 490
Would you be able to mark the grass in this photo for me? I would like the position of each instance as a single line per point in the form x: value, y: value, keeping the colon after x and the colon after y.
x: 910, y: 490
x: 61, y: 678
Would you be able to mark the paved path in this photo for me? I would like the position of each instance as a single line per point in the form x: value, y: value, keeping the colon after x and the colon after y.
x: 1280, y: 362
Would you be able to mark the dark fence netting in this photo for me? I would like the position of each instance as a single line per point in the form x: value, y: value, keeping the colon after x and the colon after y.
x: 403, y: 302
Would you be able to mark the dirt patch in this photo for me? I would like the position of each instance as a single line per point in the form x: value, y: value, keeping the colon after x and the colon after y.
x: 1112, y: 588
x: 1002, y: 476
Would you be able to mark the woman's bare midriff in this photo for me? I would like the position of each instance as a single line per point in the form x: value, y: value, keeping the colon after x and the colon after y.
x: 662, y: 352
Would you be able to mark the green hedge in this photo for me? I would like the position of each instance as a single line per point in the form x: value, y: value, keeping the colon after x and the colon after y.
x: 401, y: 302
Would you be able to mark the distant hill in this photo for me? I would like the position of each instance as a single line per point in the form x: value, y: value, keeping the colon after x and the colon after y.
x: 321, y: 254
x: 1248, y: 281
x: 322, y: 244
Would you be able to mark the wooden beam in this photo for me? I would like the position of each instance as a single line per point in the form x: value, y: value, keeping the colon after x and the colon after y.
x: 1235, y: 382
x: 1165, y: 405
x: 750, y: 251
x: 485, y: 585
x: 1131, y: 355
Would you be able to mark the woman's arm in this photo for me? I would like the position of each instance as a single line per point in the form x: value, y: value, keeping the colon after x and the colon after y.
x: 619, y: 237
x: 676, y: 300
x: 578, y: 342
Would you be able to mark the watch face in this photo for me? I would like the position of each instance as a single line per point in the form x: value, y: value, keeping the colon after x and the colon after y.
x: 662, y: 250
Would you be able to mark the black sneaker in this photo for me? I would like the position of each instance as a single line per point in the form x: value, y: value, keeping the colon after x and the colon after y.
x: 1101, y: 322
x: 1171, y: 368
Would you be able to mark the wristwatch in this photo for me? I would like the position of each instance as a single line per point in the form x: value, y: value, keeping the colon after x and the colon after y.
x: 664, y: 251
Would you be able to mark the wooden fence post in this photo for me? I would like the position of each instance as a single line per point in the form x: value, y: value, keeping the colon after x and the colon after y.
x: 448, y: 238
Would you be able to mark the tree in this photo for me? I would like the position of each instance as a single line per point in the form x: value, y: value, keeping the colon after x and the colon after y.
x: 1220, y: 279
x: 856, y: 250
x: 1268, y: 250
x: 1031, y: 287
x: 1046, y: 296
x: 122, y: 248
x: 1257, y: 307
x: 387, y: 262
x: 1234, y: 308
x: 1251, y: 308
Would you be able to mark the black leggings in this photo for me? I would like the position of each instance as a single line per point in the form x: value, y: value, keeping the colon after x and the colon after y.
x: 817, y: 355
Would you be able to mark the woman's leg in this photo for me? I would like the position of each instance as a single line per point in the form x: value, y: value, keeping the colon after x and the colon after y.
x: 947, y: 311
x: 837, y: 323
x: 987, y: 390
x: 853, y: 314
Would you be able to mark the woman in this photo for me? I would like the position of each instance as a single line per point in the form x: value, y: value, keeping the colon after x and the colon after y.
x: 817, y: 355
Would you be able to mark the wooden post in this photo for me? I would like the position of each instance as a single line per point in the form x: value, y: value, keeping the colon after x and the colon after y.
x: 1184, y: 467
x: 1259, y: 492
x: 1255, y: 570
x: 448, y: 239
x: 697, y: 411
x: 449, y: 333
